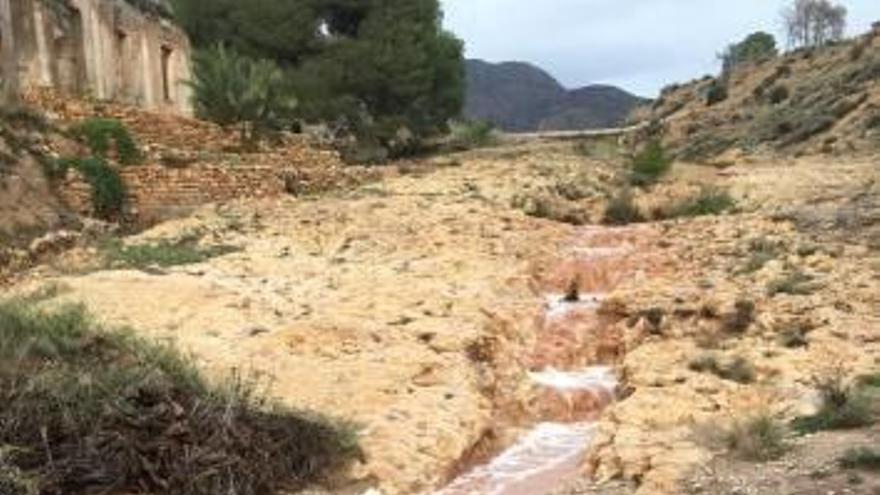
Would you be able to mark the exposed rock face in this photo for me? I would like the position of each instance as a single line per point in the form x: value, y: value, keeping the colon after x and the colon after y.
x: 105, y: 48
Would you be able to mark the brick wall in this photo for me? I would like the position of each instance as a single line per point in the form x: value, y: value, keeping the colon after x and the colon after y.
x: 157, y: 193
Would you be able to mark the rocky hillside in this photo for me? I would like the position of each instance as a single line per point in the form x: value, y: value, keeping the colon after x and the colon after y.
x: 518, y: 96
x: 808, y: 101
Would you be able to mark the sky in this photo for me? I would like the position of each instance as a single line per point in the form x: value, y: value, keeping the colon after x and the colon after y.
x: 638, y: 45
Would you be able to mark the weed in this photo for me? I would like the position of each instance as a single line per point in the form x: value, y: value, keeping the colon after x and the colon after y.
x: 740, y: 319
x: 843, y: 406
x: 760, y: 438
x: 163, y: 254
x: 710, y: 201
x: 100, y: 134
x: 622, y: 210
x: 862, y: 458
x: 870, y: 381
x: 548, y: 205
x: 762, y: 251
x: 794, y: 337
x: 796, y: 283
x: 738, y: 370
x: 576, y: 187
x: 87, y: 410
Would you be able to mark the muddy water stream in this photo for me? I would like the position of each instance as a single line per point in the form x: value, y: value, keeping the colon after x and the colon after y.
x: 572, y: 389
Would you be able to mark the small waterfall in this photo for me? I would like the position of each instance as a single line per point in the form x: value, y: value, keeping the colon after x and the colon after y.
x: 551, y: 452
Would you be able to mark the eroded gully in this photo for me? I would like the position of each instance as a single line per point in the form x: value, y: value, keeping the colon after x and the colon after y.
x: 571, y: 369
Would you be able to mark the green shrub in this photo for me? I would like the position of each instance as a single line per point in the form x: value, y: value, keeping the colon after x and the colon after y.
x: 108, y: 190
x: 163, y: 254
x: 760, y: 438
x: 779, y: 94
x: 102, y: 134
x: 716, y: 93
x: 862, y: 458
x: 737, y: 370
x: 622, y: 210
x: 649, y: 165
x: 710, y: 201
x: 843, y: 407
x: 92, y: 411
x: 472, y: 134
x: 232, y: 89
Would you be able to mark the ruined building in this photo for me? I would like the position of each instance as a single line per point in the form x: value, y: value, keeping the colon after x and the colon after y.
x: 123, y: 50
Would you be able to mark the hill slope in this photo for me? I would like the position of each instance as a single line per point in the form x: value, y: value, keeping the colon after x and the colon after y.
x: 519, y: 97
x: 823, y: 100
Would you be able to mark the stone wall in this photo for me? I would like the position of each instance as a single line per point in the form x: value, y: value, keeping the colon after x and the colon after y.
x: 157, y: 193
x: 106, y: 49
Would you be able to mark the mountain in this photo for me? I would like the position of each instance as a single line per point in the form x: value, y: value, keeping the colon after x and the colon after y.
x: 520, y: 97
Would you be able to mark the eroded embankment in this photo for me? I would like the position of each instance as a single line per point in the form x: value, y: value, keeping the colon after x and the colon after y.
x: 571, y: 365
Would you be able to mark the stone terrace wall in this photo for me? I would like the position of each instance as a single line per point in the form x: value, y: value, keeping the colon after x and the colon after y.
x: 157, y: 193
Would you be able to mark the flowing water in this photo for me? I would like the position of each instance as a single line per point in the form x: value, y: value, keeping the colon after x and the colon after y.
x: 571, y: 393
x: 551, y: 452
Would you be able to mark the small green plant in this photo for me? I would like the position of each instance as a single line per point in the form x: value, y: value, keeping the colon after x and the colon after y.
x: 649, y: 165
x: 737, y: 370
x: 101, y: 135
x: 108, y: 190
x: 863, y: 458
x: 843, y: 406
x: 760, y: 438
x: 472, y: 134
x: 710, y: 201
x: 622, y: 210
x: 796, y: 283
x: 163, y: 254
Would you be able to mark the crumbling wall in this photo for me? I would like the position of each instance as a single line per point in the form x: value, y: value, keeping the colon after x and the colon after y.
x: 106, y: 49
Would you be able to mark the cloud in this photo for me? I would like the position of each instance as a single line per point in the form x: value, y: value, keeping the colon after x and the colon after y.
x: 640, y: 45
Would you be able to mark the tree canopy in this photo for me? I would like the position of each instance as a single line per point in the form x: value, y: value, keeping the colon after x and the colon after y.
x: 376, y: 66
x: 814, y: 22
x: 755, y: 47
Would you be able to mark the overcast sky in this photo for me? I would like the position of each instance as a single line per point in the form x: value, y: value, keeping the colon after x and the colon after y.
x: 639, y: 45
